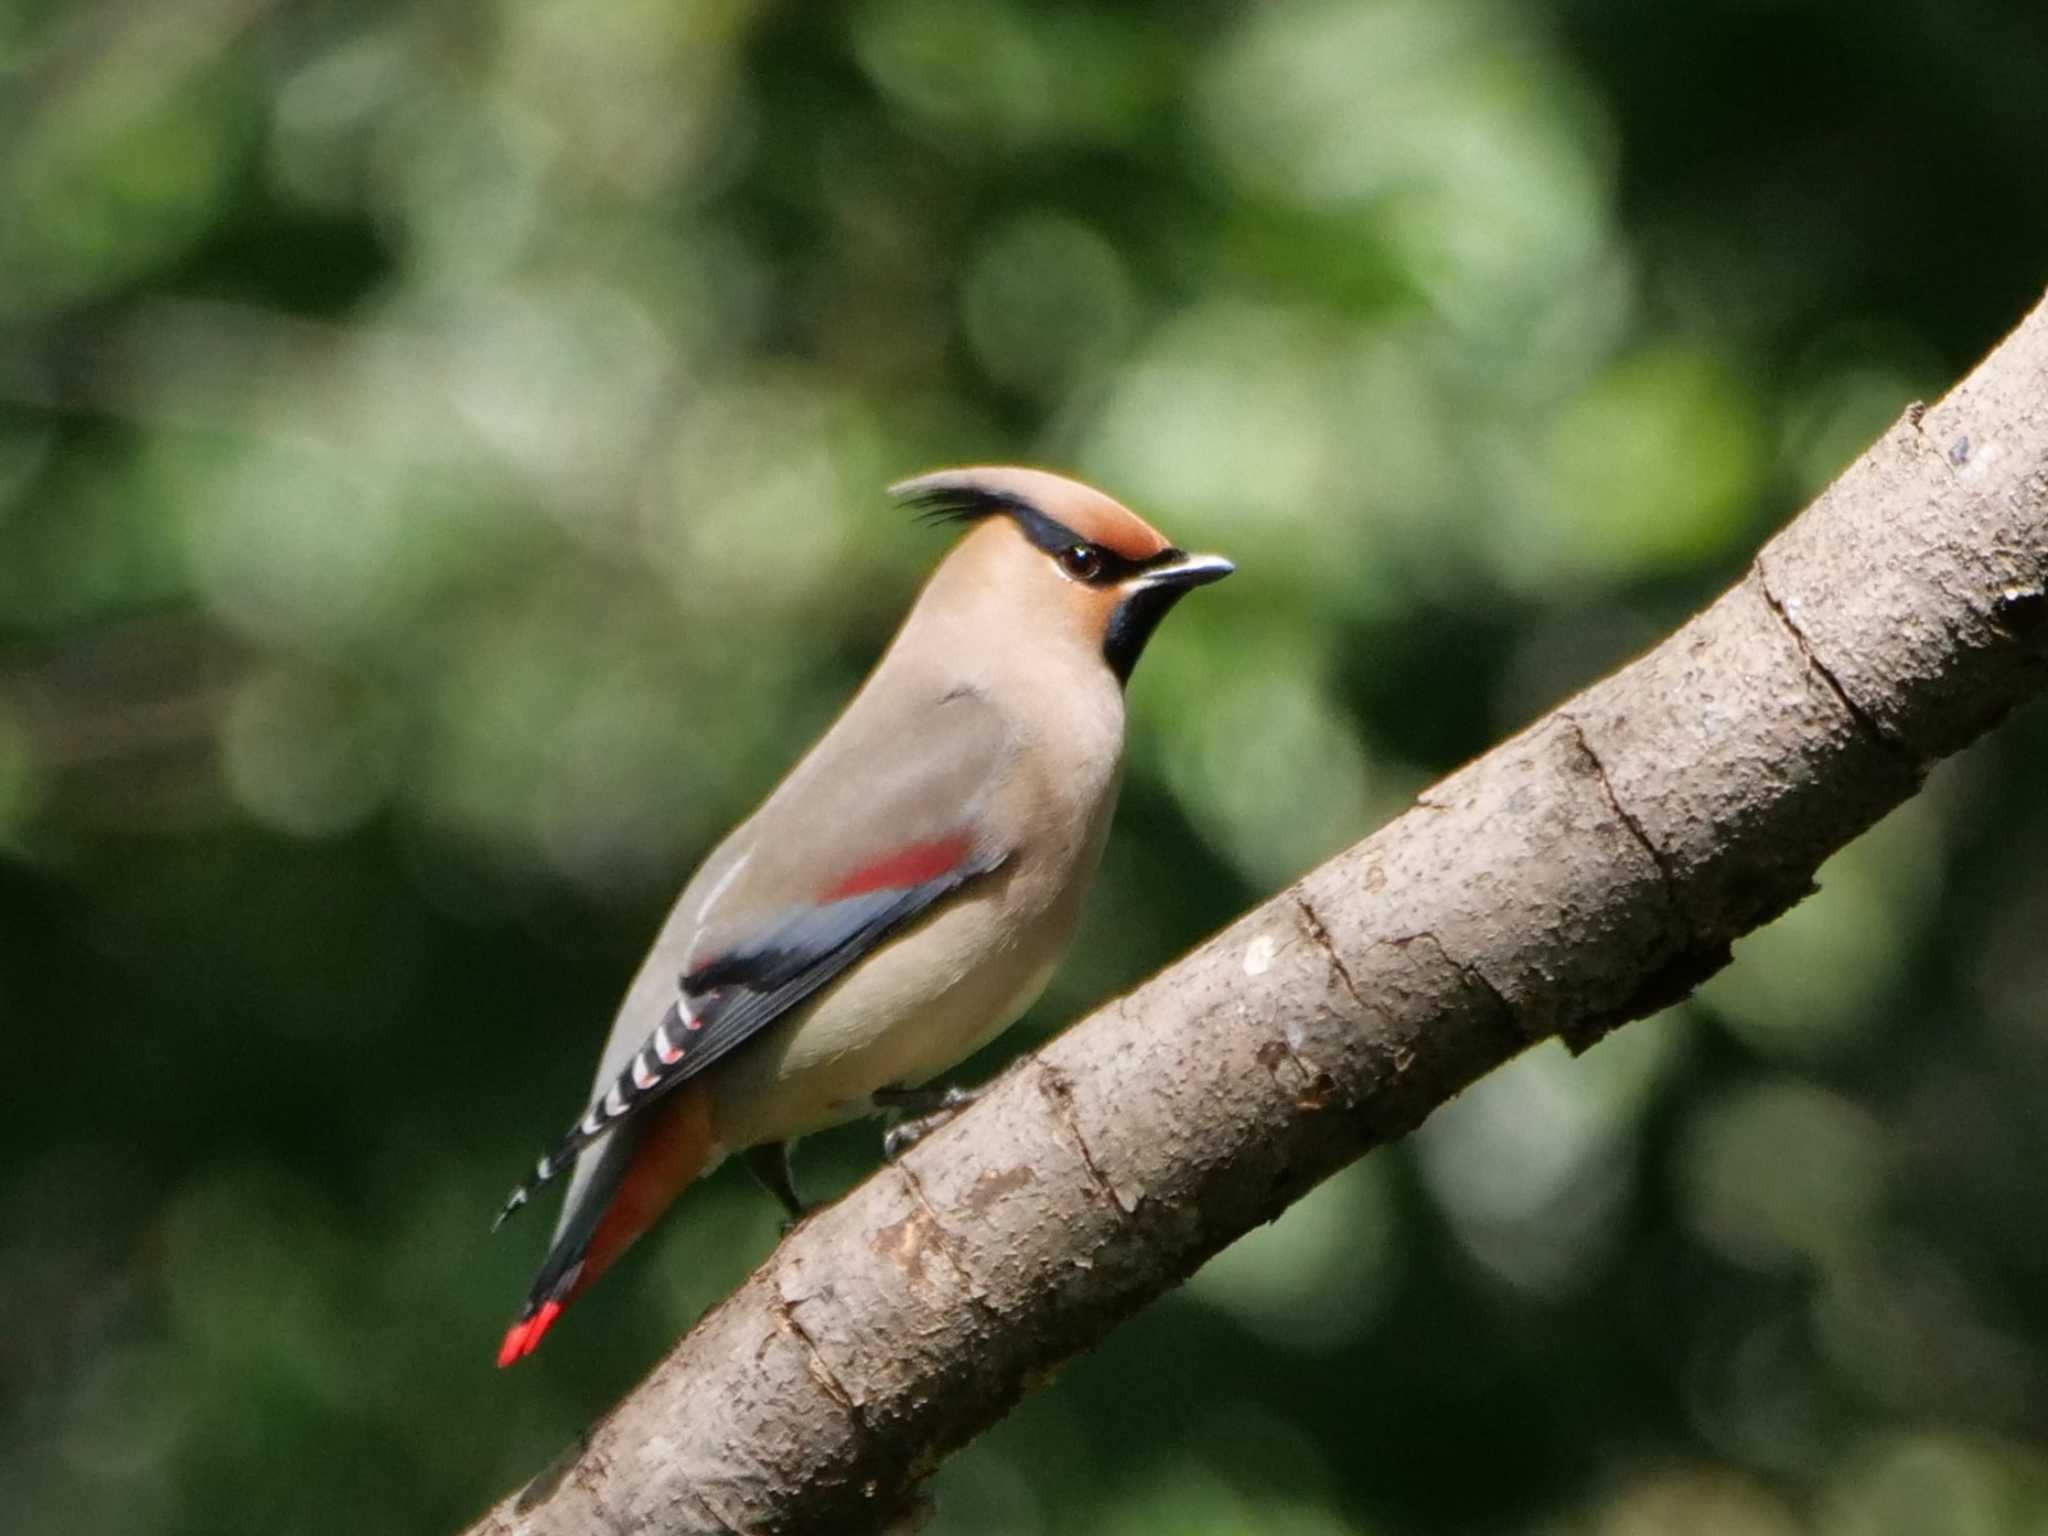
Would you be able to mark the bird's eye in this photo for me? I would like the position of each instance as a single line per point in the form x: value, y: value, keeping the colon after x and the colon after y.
x: 1083, y: 562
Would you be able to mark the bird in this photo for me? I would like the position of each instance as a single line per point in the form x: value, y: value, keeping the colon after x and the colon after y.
x: 902, y: 896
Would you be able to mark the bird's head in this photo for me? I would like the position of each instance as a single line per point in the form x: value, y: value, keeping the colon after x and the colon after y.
x: 1059, y: 558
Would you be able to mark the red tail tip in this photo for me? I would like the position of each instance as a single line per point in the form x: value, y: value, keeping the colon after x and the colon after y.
x: 524, y: 1336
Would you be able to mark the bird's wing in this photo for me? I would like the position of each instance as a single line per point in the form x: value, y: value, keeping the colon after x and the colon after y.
x: 883, y: 821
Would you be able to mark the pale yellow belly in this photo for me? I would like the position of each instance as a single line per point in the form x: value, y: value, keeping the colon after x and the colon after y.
x: 897, y: 1020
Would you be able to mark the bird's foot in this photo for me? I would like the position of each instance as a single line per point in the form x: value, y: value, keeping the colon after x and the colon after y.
x: 925, y: 1101
x: 923, y: 1110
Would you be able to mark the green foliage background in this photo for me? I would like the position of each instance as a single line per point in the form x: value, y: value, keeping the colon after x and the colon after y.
x: 440, y: 451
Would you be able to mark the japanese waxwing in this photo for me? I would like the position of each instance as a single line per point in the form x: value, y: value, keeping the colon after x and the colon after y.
x: 906, y: 891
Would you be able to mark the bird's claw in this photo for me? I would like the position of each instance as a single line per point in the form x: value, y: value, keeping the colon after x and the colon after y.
x: 905, y: 1134
x: 923, y: 1112
x: 925, y: 1101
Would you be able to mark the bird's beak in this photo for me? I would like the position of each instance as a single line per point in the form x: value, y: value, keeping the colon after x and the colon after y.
x: 1184, y: 571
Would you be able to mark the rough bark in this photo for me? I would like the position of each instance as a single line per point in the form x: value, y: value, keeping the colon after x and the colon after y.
x: 1589, y: 871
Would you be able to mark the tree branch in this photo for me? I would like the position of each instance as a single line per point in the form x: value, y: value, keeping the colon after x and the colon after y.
x: 1591, y: 870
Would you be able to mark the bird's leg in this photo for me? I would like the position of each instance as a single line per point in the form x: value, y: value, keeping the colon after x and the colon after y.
x: 769, y: 1163
x: 923, y: 1111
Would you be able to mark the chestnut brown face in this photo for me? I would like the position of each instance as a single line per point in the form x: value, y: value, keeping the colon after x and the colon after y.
x: 1119, y: 574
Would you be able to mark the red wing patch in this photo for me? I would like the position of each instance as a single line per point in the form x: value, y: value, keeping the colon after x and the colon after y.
x: 904, y: 868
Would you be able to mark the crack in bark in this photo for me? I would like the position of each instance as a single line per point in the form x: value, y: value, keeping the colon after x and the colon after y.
x: 942, y: 1239
x: 1671, y: 883
x: 814, y: 1361
x: 1058, y: 1090
x: 1320, y: 937
x: 1472, y: 974
x: 1890, y: 744
x: 1316, y: 1081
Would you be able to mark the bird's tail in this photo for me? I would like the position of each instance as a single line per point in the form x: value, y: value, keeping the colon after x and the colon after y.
x: 669, y: 1146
